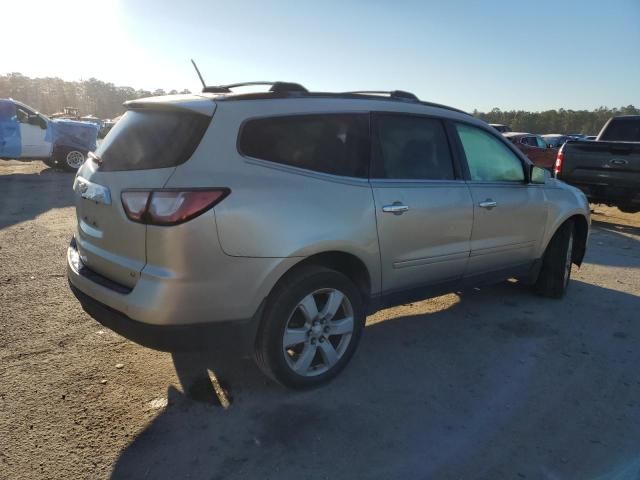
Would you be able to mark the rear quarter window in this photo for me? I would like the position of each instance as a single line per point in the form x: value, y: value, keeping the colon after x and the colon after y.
x: 328, y: 143
x: 151, y: 139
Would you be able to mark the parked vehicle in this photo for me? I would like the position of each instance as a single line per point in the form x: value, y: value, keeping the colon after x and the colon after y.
x: 555, y: 140
x: 68, y: 113
x: 607, y: 170
x: 27, y: 134
x: 534, y: 147
x: 107, y: 125
x: 501, y: 128
x: 292, y: 215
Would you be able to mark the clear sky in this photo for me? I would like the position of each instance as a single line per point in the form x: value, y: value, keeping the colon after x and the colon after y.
x: 530, y: 55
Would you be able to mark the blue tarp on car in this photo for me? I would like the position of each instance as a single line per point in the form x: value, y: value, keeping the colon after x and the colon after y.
x: 10, y: 139
x: 69, y: 133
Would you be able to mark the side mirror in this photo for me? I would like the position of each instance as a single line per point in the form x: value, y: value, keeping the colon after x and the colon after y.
x: 539, y: 175
x: 38, y: 121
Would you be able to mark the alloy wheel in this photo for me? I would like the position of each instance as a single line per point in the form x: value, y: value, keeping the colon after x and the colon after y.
x: 75, y: 159
x: 318, y: 332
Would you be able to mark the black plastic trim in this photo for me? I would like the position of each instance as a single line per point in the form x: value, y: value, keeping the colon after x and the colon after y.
x: 238, y: 334
x: 95, y: 277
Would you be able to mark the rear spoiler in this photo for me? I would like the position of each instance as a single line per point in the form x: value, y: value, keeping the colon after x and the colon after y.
x: 176, y: 103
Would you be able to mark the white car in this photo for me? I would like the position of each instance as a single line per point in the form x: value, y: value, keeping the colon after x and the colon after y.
x: 28, y: 134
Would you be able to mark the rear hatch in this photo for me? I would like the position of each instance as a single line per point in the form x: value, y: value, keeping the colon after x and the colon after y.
x: 615, y: 164
x: 141, y: 152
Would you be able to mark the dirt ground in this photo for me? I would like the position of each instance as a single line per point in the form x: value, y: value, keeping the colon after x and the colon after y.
x: 490, y: 384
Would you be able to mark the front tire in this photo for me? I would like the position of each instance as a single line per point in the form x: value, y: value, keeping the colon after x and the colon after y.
x: 310, y: 328
x: 555, y: 273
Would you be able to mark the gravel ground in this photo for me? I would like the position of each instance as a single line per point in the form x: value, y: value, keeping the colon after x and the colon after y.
x: 491, y: 384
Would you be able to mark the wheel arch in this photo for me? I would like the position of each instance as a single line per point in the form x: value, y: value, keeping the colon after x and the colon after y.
x: 348, y: 264
x: 581, y: 234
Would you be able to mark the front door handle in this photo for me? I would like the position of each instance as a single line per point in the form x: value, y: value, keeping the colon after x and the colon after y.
x: 397, y: 208
x: 488, y: 204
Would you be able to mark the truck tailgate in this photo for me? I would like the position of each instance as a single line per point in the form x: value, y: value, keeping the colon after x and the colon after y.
x: 602, y: 163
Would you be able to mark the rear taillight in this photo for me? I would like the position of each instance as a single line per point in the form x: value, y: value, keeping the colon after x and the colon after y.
x: 557, y: 168
x: 169, y: 207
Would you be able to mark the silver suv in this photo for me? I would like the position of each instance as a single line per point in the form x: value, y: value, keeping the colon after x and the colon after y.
x: 282, y: 219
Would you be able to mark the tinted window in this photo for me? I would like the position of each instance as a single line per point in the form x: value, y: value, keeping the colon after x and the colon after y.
x: 142, y: 140
x: 335, y: 143
x: 411, y: 147
x: 623, y: 130
x: 540, y: 142
x: 22, y: 115
x: 488, y: 158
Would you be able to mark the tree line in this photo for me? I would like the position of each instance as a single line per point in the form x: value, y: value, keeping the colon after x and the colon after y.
x: 94, y: 97
x: 556, y: 121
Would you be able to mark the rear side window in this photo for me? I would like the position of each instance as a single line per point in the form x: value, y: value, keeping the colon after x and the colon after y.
x: 153, y: 139
x: 411, y: 147
x: 622, y: 130
x: 488, y: 158
x: 329, y: 143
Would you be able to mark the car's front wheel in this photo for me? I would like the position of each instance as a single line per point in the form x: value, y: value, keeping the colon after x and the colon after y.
x: 310, y: 328
x: 555, y: 273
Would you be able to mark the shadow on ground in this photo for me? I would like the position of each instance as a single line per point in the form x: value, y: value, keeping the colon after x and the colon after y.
x: 27, y: 195
x: 502, y: 384
x: 614, y: 244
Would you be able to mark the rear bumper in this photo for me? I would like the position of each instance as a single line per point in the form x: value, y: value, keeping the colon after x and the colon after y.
x: 239, y: 335
x: 169, y: 315
x: 608, y: 193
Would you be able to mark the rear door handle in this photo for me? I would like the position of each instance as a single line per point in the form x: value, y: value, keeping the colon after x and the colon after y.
x: 488, y: 204
x: 397, y: 208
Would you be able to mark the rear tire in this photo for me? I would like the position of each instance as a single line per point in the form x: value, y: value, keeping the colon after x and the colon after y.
x: 310, y: 328
x: 73, y: 160
x: 555, y: 273
x: 629, y: 208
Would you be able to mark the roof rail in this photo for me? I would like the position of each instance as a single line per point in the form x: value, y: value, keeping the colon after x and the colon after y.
x: 276, y: 87
x: 399, y: 94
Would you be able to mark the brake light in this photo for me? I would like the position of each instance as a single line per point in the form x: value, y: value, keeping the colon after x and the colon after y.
x: 557, y: 168
x: 169, y: 207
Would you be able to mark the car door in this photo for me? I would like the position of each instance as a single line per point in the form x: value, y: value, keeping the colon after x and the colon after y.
x: 509, y: 212
x: 546, y: 155
x: 33, y: 131
x: 424, y: 210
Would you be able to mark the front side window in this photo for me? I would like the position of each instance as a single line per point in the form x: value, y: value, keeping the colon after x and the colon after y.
x: 329, y: 143
x: 412, y: 148
x: 488, y: 158
x: 22, y: 115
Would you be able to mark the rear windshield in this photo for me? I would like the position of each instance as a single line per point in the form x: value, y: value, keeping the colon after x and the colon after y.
x: 622, y: 130
x: 143, y: 140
